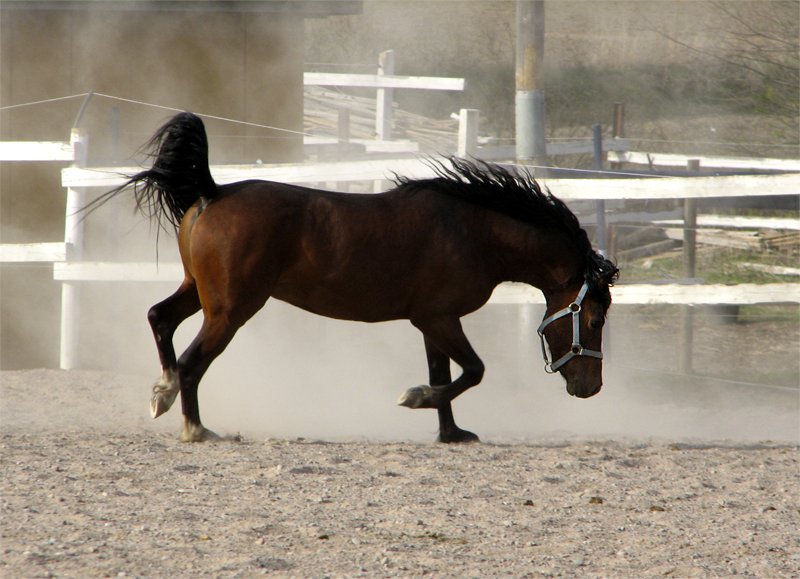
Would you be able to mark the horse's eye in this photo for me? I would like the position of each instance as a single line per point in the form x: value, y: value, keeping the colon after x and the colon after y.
x: 596, y: 323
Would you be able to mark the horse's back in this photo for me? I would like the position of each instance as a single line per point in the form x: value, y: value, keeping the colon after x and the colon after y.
x: 364, y: 257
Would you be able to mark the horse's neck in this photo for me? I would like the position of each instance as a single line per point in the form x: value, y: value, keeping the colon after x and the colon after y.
x: 540, y: 257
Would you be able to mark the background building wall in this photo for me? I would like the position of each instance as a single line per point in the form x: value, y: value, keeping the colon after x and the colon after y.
x: 244, y: 66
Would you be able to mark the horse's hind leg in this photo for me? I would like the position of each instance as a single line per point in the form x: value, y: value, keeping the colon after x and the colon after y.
x: 214, y: 336
x: 164, y: 318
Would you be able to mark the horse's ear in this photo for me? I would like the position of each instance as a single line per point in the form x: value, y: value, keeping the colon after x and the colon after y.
x: 611, y: 274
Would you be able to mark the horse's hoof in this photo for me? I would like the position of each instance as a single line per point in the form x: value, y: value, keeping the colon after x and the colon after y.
x: 198, y: 433
x: 417, y: 397
x: 458, y: 436
x: 161, y: 401
x: 165, y: 391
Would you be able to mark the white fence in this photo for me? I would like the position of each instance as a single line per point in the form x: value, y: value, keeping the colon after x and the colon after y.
x: 568, y: 189
x: 71, y: 271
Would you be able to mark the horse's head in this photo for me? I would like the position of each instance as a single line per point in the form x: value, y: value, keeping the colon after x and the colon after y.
x: 573, y: 329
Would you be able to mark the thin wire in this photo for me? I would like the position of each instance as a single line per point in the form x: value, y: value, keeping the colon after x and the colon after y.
x: 640, y: 139
x: 132, y: 101
x: 20, y: 105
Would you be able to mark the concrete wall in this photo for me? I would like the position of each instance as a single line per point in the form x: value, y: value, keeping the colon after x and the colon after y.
x: 245, y: 66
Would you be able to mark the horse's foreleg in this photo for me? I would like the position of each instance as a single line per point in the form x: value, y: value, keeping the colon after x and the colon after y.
x: 445, y: 340
x: 164, y: 318
x: 439, y: 375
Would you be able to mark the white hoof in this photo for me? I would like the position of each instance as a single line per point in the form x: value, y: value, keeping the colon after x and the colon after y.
x: 415, y: 397
x: 165, y: 391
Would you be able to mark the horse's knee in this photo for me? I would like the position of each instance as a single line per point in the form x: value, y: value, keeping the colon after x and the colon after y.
x: 474, y: 372
x: 153, y: 317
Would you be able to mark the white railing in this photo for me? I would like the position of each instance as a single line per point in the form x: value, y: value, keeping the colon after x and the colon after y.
x: 80, y: 181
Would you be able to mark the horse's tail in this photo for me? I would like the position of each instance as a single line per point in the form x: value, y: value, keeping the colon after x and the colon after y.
x: 179, y: 176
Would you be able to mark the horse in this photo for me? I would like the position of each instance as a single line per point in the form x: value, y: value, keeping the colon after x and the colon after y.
x: 429, y: 251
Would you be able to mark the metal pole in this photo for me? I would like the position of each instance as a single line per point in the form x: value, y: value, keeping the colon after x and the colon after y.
x: 690, y: 228
x: 689, y: 272
x: 529, y: 101
x: 618, y: 131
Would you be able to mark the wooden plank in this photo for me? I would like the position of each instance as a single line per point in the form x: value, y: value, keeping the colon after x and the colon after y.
x: 36, y: 151
x: 675, y: 187
x: 32, y: 252
x: 578, y: 147
x: 382, y: 81
x: 112, y: 271
x: 654, y: 248
x: 719, y: 237
x: 739, y: 294
x: 369, y: 145
x: 507, y: 293
x: 771, y: 269
x: 566, y: 189
x: 585, y: 147
x: 740, y: 222
x: 107, y: 177
x: 668, y: 160
x: 643, y: 294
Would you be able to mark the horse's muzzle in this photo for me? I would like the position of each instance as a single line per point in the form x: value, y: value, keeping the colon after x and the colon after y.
x: 582, y: 390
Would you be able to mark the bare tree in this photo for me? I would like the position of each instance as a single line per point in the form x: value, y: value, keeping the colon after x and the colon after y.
x: 758, y: 52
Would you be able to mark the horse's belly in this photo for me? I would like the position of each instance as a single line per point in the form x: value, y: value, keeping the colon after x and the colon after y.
x: 360, y: 306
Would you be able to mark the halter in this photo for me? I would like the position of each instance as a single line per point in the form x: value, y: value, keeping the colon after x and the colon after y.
x: 576, y: 349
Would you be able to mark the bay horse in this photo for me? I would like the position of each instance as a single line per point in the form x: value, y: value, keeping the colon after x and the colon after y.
x: 429, y: 251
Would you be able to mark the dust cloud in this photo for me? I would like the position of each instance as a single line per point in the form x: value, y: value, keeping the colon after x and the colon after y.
x: 291, y: 374
x: 288, y: 373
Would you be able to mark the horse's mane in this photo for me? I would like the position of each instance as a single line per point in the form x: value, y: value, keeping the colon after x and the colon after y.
x: 519, y: 196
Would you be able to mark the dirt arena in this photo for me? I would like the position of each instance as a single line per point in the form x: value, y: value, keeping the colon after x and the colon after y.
x: 91, y: 487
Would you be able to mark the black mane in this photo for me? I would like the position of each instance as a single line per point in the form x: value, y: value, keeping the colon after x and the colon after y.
x: 519, y: 196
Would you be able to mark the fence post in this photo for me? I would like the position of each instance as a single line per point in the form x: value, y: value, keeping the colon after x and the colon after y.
x: 690, y: 227
x: 468, y: 120
x: 689, y: 272
x: 600, y: 207
x: 618, y: 131
x: 383, y: 108
x: 73, y: 238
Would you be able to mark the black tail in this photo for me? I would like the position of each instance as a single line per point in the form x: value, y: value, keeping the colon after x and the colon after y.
x: 179, y: 176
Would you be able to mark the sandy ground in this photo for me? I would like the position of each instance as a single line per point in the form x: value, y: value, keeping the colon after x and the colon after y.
x: 91, y: 487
